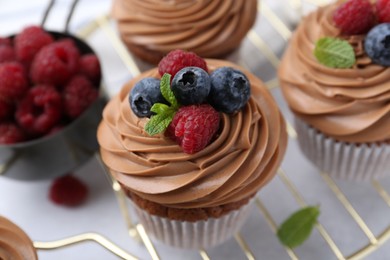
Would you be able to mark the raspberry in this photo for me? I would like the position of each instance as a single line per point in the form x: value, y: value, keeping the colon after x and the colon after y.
x: 29, y: 42
x: 178, y: 59
x: 68, y: 190
x: 10, y: 133
x: 55, y: 63
x: 5, y: 41
x: 6, y: 109
x: 383, y: 11
x: 90, y: 67
x: 13, y: 80
x: 78, y: 95
x: 193, y: 127
x: 7, y: 53
x: 354, y: 17
x: 40, y: 110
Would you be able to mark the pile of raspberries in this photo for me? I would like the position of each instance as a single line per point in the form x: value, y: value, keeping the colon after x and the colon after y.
x: 45, y: 83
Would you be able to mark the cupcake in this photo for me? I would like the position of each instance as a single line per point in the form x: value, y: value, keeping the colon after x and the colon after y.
x: 192, y: 183
x: 335, y: 77
x: 150, y: 29
x: 14, y: 242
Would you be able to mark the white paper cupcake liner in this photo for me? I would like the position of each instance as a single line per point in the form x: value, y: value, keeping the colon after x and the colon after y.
x: 343, y: 160
x: 193, y: 235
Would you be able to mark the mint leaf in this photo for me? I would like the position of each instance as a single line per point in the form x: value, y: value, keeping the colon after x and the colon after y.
x: 334, y: 53
x: 297, y: 228
x: 163, y: 113
x: 166, y: 90
x: 158, y: 123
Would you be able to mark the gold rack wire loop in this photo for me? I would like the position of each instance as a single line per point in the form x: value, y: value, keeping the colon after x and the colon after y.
x: 104, y: 242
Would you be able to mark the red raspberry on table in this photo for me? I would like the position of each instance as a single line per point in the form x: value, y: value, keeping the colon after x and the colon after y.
x: 78, y: 95
x: 178, y: 59
x: 13, y: 80
x: 55, y: 63
x: 193, y: 127
x: 29, y: 42
x: 11, y: 133
x: 68, y: 190
x: 40, y: 110
x: 89, y: 66
x: 7, y: 53
x: 354, y: 17
x: 6, y: 109
x: 383, y: 11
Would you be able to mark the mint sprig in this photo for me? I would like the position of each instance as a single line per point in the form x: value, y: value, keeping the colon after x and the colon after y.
x: 334, y: 53
x: 297, y: 228
x: 163, y: 113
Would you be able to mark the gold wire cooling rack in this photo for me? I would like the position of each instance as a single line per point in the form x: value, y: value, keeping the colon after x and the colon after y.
x: 271, y: 54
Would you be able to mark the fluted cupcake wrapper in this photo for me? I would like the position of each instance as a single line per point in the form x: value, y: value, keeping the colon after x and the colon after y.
x: 348, y: 161
x: 194, y: 235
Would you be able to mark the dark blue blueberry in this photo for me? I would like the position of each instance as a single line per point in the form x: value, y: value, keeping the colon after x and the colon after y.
x: 377, y: 44
x: 191, y: 85
x: 230, y: 90
x: 143, y: 95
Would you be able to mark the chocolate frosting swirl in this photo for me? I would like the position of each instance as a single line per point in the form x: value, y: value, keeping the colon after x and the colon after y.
x: 14, y: 243
x: 351, y: 105
x: 210, y: 28
x: 243, y: 158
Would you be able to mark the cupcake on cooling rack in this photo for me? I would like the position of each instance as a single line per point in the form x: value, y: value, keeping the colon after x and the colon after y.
x: 335, y: 76
x: 150, y: 29
x: 14, y: 242
x: 191, y: 150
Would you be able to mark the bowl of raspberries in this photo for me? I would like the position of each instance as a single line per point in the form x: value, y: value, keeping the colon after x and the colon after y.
x: 50, y: 103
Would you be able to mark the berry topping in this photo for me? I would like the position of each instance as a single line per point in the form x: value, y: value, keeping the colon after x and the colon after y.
x: 383, y: 11
x: 40, y: 109
x: 30, y: 41
x: 354, y: 17
x: 10, y: 133
x: 193, y: 127
x: 191, y: 85
x: 179, y: 59
x: 68, y: 191
x: 144, y: 95
x: 7, y: 53
x: 6, y: 109
x: 377, y: 44
x: 13, y: 80
x: 230, y: 90
x: 78, y: 95
x: 55, y: 63
x: 90, y: 67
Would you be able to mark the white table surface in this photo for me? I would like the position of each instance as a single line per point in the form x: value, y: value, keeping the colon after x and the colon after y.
x: 27, y: 203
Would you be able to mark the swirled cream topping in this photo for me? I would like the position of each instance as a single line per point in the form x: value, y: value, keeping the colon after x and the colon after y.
x: 351, y: 105
x: 210, y: 28
x: 243, y: 157
x: 14, y: 243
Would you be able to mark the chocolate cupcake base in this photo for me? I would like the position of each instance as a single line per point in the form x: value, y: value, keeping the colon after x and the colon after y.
x: 342, y: 160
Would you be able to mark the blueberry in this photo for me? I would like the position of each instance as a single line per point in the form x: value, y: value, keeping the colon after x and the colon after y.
x: 143, y: 95
x: 191, y: 85
x: 230, y: 90
x: 377, y: 44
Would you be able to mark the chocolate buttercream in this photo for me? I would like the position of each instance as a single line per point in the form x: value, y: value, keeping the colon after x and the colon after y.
x: 243, y: 158
x: 351, y: 105
x: 210, y: 28
x: 14, y: 243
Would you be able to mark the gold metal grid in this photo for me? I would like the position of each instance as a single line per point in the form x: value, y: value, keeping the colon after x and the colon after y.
x: 136, y: 231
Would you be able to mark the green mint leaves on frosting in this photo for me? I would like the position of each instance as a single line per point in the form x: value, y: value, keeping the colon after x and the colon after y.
x: 334, y: 53
x: 163, y: 113
x: 297, y: 228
